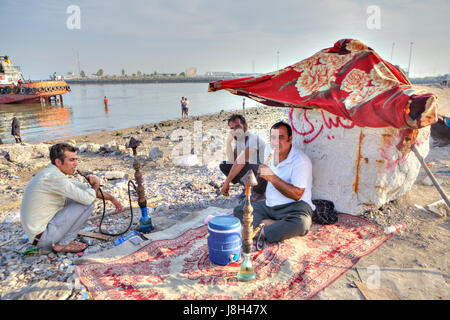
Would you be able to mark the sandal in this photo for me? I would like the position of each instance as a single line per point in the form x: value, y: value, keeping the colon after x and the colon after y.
x: 72, y: 247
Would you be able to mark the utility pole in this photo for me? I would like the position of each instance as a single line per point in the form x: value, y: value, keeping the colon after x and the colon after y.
x: 409, y: 63
x: 278, y: 60
x: 78, y: 64
x: 392, y: 52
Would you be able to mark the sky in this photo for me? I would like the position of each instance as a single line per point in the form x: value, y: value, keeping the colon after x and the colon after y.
x: 242, y: 36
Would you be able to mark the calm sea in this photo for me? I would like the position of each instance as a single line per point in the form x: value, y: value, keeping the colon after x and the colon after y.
x: 129, y: 105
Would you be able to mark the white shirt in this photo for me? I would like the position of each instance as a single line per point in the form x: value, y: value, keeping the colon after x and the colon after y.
x: 296, y: 170
x: 254, y: 142
x: 46, y: 194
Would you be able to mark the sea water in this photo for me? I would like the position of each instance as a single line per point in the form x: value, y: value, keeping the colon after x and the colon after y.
x: 129, y: 105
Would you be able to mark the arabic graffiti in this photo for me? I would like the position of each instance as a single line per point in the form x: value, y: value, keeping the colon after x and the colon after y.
x: 312, y: 133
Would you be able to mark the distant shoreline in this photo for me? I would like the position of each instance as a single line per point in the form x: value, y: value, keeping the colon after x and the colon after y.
x: 149, y: 80
x: 194, y: 80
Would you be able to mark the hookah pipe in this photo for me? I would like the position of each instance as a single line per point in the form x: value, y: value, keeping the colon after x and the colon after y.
x: 145, y: 223
x: 104, y: 210
x: 247, y: 272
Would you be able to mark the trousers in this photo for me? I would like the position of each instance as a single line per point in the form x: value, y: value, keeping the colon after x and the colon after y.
x: 262, y: 183
x: 291, y: 220
x: 64, y: 226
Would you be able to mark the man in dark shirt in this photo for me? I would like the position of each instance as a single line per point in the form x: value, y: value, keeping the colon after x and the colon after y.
x: 15, y: 130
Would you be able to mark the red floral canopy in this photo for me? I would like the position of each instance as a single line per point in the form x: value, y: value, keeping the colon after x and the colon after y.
x: 349, y: 80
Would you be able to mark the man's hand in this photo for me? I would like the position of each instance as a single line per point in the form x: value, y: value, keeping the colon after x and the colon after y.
x: 118, y: 205
x: 94, y: 181
x: 225, y: 188
x: 265, y: 172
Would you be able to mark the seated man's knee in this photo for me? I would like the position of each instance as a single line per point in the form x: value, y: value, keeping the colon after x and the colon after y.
x: 304, y: 226
x: 238, y: 212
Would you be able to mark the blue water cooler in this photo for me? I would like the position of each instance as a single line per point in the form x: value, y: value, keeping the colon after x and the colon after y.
x: 224, y: 240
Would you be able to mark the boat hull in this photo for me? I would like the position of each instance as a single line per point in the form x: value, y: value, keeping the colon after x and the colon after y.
x: 32, y: 92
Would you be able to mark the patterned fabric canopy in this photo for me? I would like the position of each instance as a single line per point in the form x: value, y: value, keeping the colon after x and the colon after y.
x: 349, y: 80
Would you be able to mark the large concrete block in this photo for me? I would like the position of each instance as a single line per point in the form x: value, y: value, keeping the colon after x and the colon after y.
x: 356, y: 168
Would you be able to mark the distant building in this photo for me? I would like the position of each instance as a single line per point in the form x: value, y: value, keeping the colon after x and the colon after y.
x: 218, y: 74
x: 191, y: 72
x: 70, y: 76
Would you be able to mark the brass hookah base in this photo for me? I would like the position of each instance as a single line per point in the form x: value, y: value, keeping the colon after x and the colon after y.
x: 247, y: 271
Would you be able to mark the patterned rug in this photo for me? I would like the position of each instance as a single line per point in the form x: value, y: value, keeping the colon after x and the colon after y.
x: 179, y: 268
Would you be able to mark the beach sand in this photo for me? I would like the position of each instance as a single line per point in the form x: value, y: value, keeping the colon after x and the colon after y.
x: 414, y: 264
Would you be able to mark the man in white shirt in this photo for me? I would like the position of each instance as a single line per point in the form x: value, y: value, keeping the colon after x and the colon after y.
x: 247, y: 154
x: 288, y: 208
x: 55, y: 207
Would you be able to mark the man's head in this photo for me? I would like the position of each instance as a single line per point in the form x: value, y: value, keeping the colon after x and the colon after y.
x: 64, y: 157
x: 238, y: 125
x: 281, y: 137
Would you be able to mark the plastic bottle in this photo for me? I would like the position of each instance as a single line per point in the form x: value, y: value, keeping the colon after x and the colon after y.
x: 394, y: 228
x: 125, y: 237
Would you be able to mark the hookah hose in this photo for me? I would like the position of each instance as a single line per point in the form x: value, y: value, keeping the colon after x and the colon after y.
x: 104, y: 209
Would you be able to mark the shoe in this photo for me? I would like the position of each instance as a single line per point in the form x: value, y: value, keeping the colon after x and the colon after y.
x: 72, y: 247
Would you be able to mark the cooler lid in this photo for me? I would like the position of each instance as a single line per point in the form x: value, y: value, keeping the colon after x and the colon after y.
x: 224, y: 223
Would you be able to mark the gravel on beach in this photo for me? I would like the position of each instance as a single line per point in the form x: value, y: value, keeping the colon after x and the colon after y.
x: 182, y: 189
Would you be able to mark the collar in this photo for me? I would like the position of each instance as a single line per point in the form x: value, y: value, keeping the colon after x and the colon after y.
x: 286, y: 161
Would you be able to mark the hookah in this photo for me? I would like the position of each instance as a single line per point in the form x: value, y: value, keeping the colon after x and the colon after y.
x: 246, y: 271
x: 145, y: 223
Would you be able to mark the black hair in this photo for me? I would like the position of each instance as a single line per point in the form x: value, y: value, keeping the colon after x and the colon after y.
x: 57, y: 151
x: 237, y: 116
x: 283, y: 124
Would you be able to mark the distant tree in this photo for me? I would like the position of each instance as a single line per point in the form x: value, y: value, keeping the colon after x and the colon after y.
x: 123, y: 72
x: 83, y: 74
x: 139, y: 74
x: 182, y: 74
x: 99, y: 72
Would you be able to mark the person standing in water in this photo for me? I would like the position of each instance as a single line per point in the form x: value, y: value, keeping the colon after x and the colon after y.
x: 15, y: 130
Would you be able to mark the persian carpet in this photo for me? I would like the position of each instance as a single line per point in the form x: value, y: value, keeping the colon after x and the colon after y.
x: 179, y: 268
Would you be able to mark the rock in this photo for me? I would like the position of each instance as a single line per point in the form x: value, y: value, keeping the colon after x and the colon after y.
x: 427, y: 181
x: 111, y: 175
x: 18, y: 155
x: 186, y: 161
x: 41, y: 150
x: 356, y: 168
x: 93, y: 148
x: 155, y: 153
x: 111, y: 146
